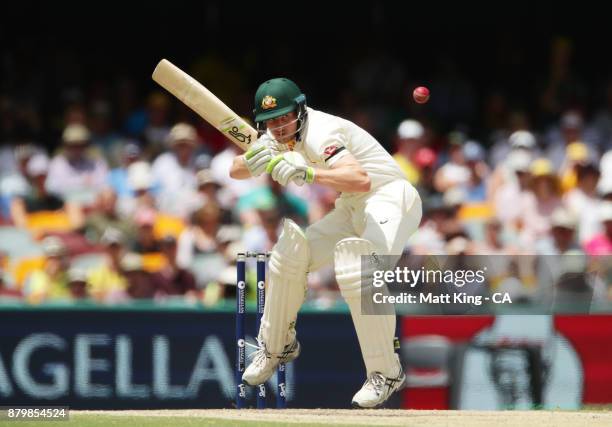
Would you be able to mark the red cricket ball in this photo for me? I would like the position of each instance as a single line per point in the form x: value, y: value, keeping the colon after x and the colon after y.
x: 421, y: 94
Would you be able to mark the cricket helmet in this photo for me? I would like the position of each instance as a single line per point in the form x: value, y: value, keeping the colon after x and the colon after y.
x: 277, y: 97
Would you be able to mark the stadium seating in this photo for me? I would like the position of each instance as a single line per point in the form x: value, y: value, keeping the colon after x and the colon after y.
x: 207, y: 267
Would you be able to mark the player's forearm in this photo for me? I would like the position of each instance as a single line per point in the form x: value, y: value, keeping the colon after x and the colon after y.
x: 239, y: 169
x: 344, y: 179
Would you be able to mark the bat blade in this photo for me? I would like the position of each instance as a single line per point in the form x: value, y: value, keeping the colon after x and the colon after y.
x: 193, y: 94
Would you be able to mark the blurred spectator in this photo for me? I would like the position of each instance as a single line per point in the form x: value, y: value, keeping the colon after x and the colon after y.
x: 208, y: 189
x: 453, y: 199
x: 605, y: 166
x: 577, y: 155
x: 262, y: 237
x: 73, y: 174
x: 105, y: 216
x: 118, y: 177
x: 206, y: 266
x: 208, y: 186
x: 562, y: 237
x: 475, y: 189
x: 493, y: 243
x: 457, y: 245
x: 75, y: 113
x: 587, y: 209
x: 539, y: 203
x: 429, y: 238
x: 575, y: 289
x: 571, y: 130
x: 228, y: 236
x: 142, y: 190
x: 175, y: 172
x: 145, y: 240
x: 106, y: 282
x: 36, y: 198
x: 425, y: 160
x: 14, y: 181
x: 582, y: 201
x: 523, y: 140
x: 604, y: 189
x: 140, y: 284
x: 175, y: 280
x: 200, y: 236
x: 77, y: 283
x: 454, y: 173
x: 409, y: 138
x: 51, y: 282
x: 504, y: 139
x: 7, y: 293
x: 224, y: 284
x: 3, y: 260
x: 7, y: 160
x: 521, y: 145
x: 506, y: 199
x: 601, y: 244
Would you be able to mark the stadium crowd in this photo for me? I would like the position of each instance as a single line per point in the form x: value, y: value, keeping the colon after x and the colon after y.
x: 137, y: 203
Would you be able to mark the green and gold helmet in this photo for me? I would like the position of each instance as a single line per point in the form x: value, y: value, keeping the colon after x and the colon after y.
x: 277, y: 97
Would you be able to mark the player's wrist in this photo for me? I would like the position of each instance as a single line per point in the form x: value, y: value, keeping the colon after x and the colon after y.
x: 310, y: 175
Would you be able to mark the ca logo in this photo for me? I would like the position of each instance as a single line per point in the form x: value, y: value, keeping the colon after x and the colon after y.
x: 242, y: 390
x: 260, y: 284
x: 241, y: 285
x: 240, y: 343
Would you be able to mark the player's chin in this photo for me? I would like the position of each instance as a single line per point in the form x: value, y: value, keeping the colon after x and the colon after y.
x: 283, y: 139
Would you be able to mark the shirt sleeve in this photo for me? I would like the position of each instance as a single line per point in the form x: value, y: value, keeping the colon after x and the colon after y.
x: 333, y: 147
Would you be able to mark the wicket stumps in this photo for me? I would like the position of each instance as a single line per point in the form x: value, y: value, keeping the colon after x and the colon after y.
x: 240, y: 334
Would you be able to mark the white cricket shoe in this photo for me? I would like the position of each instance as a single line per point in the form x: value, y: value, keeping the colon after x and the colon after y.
x: 377, y: 389
x: 264, y: 364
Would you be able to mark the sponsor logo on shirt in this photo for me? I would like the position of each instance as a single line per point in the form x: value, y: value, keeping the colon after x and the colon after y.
x: 331, y: 150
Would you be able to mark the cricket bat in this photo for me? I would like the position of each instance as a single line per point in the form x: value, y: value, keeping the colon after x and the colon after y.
x: 205, y: 103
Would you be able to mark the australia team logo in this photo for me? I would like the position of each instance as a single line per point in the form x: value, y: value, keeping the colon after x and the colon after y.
x: 268, y: 102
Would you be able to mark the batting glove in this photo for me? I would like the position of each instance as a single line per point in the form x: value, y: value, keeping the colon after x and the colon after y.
x: 283, y: 170
x: 258, y: 156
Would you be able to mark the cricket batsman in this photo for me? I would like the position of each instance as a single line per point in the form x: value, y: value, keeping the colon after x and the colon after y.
x: 376, y: 213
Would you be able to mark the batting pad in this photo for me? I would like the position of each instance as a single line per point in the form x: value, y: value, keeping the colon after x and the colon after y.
x: 375, y: 332
x: 286, y: 288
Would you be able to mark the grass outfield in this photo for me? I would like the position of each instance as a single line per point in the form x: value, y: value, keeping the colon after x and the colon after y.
x: 340, y: 417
